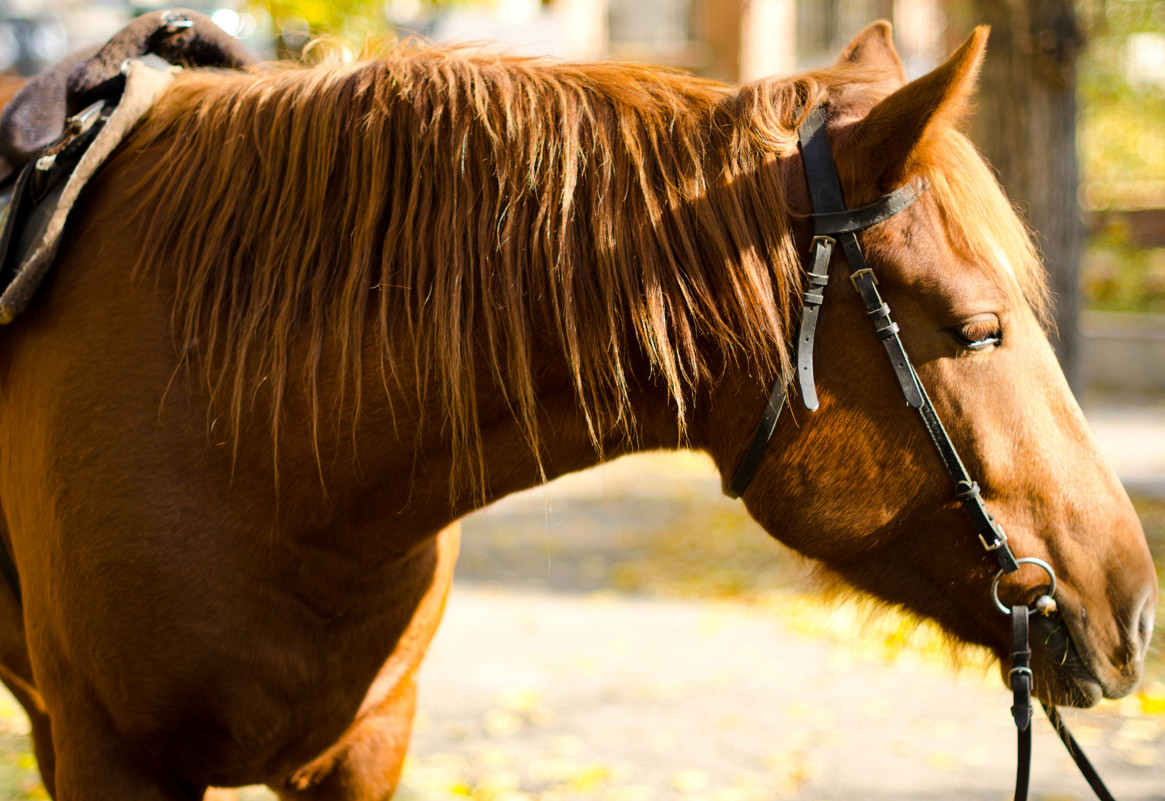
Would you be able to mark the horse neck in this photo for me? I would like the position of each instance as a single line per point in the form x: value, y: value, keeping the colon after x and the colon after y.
x: 504, y: 460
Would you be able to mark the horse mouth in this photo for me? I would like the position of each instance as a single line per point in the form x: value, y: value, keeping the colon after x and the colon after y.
x: 1068, y: 675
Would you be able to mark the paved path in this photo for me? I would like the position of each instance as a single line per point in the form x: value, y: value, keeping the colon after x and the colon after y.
x: 574, y: 697
x: 1132, y: 436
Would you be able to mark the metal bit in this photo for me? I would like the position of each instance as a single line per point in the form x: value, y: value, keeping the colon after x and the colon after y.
x: 1046, y: 605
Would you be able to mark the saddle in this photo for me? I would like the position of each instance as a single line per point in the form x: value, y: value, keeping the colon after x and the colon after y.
x: 35, y: 118
x: 62, y: 125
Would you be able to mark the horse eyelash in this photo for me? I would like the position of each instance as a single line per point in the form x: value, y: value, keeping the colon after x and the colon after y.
x: 994, y: 339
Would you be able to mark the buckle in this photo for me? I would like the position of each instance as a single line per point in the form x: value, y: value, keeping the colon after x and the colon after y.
x: 824, y: 240
x: 853, y: 278
x: 999, y: 543
x: 1023, y: 671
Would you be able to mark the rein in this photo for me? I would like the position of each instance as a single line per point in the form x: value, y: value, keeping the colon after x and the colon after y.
x: 834, y: 224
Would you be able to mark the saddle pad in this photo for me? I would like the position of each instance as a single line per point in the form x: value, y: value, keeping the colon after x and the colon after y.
x: 145, y: 80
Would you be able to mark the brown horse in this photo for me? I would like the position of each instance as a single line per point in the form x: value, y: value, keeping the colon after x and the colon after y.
x: 309, y: 317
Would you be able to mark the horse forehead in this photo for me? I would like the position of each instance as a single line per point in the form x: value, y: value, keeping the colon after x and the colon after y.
x: 915, y: 249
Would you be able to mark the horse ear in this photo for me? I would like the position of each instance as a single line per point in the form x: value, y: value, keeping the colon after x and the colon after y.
x: 874, y: 48
x: 893, y: 133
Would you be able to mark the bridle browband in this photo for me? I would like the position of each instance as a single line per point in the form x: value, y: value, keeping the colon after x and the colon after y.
x: 834, y: 224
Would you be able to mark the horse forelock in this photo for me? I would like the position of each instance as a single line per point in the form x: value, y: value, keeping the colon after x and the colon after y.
x: 466, y: 205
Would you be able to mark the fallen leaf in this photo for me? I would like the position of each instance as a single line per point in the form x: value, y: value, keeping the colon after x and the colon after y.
x: 690, y: 782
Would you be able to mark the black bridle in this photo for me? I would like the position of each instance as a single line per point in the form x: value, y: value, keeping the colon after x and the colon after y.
x: 834, y: 224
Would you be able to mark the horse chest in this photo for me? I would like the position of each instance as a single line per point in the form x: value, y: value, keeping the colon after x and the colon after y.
x: 308, y: 672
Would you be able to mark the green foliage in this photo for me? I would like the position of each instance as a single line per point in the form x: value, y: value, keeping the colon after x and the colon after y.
x: 354, y: 20
x: 1122, y: 154
x: 1120, y: 278
x: 1122, y: 125
x: 327, y: 16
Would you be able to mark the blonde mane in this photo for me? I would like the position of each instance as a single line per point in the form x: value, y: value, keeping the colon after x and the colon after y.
x: 473, y: 204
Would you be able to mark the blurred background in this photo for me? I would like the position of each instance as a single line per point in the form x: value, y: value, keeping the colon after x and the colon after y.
x: 1071, y: 110
x: 628, y: 633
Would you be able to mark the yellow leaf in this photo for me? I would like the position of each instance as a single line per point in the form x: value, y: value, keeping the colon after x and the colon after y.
x: 590, y: 778
x: 690, y: 781
x: 500, y: 723
x: 1152, y: 704
x: 518, y: 700
x: 942, y: 760
x: 1142, y: 757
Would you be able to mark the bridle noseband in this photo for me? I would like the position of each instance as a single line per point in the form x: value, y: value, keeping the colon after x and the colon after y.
x: 834, y: 224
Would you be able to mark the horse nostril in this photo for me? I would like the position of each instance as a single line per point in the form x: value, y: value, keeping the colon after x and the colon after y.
x: 1145, y: 626
x: 1141, y: 626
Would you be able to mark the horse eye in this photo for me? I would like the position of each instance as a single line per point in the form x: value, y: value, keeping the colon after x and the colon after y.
x: 979, y: 335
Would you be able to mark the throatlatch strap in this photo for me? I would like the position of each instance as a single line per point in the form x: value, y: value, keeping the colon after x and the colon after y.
x: 756, y: 449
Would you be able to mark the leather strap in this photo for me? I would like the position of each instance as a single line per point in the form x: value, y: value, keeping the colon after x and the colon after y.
x: 1020, y: 676
x: 991, y: 536
x: 1023, y: 763
x: 1020, y: 679
x: 1086, y: 769
x: 813, y: 297
x: 817, y: 156
x: 825, y: 189
x: 866, y: 284
x: 859, y: 219
x: 756, y: 449
x: 834, y: 223
x: 825, y: 196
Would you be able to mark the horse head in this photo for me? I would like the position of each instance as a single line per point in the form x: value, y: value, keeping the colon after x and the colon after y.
x: 857, y: 484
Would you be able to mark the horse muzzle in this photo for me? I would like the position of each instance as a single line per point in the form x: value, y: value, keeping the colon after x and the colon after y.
x: 1073, y: 665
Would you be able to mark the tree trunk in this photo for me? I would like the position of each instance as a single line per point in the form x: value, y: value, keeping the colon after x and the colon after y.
x: 1026, y: 127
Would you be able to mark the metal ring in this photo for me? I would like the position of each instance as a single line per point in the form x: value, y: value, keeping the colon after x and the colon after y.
x: 1030, y: 560
x: 176, y: 21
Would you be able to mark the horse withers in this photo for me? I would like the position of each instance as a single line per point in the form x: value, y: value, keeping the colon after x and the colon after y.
x: 308, y: 317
